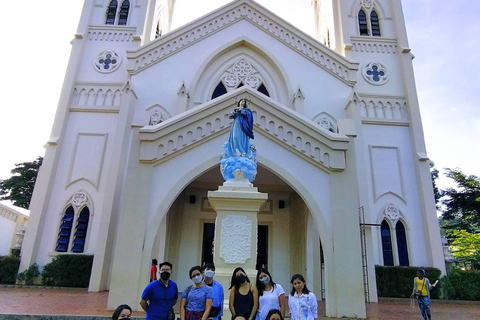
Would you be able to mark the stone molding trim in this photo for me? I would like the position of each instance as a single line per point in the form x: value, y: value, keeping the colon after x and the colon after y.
x: 281, y: 30
x: 381, y: 107
x: 101, y: 97
x: 392, y: 213
x: 236, y: 239
x: 306, y: 139
x: 372, y: 45
x: 9, y: 213
x: 111, y: 33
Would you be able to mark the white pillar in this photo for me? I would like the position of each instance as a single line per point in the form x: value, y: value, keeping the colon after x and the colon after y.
x: 237, y: 204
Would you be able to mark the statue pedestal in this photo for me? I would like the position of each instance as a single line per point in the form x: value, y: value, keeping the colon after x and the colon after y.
x: 237, y: 204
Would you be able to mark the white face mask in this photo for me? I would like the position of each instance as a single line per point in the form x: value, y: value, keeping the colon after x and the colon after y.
x: 197, y: 279
x: 209, y: 273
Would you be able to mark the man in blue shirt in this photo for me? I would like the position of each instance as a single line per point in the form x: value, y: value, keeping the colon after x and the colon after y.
x: 217, y: 289
x: 160, y: 295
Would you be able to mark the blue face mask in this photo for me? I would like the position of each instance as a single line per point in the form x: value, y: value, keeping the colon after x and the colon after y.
x: 265, y: 280
x: 209, y: 273
x: 197, y: 279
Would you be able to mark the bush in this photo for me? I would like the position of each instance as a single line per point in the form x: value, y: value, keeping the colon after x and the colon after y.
x: 466, y: 284
x: 28, y: 275
x: 68, y: 270
x: 446, y: 289
x: 8, y: 269
x: 397, y: 282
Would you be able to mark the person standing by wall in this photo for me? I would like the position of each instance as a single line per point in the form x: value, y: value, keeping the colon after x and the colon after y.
x: 270, y: 295
x: 243, y: 302
x: 160, y: 296
x: 153, y: 270
x: 197, y: 298
x: 421, y: 289
x: 216, y: 312
x: 302, y: 304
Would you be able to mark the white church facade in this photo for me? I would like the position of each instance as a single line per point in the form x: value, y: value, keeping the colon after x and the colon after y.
x: 143, y: 116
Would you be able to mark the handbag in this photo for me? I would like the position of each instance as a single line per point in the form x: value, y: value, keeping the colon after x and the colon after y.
x: 171, y: 314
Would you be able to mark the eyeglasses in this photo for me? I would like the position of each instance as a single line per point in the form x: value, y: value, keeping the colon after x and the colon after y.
x: 166, y: 270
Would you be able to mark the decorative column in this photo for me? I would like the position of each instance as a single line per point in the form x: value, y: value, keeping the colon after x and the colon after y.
x: 237, y: 204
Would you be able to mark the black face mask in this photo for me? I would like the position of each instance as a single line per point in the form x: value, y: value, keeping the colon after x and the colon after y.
x: 241, y: 278
x: 165, y: 275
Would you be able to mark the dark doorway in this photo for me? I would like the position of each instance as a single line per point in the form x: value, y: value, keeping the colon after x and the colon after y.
x: 262, y: 247
x: 207, y: 246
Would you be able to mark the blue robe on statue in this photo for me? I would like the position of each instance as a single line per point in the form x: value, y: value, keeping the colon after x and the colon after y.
x: 240, y: 134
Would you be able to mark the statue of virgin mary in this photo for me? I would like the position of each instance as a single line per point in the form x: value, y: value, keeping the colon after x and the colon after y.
x: 238, y: 154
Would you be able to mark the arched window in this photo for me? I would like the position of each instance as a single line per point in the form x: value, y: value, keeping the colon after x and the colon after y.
x: 375, y: 24
x: 123, y: 14
x: 386, y: 244
x: 402, y: 244
x: 111, y: 12
x: 219, y: 90
x: 63, y: 240
x: 362, y: 23
x: 81, y: 231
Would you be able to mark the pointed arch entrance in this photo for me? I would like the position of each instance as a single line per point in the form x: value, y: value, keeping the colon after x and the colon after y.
x: 283, y: 232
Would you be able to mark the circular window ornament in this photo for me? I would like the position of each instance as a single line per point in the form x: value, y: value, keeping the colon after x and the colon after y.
x: 376, y: 73
x: 107, y: 61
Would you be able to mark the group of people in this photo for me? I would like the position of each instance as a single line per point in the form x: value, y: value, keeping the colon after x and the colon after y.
x: 203, y: 300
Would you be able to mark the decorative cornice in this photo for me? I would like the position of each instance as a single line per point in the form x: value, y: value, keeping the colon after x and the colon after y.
x: 301, y: 136
x: 373, y: 45
x: 110, y: 33
x: 165, y: 46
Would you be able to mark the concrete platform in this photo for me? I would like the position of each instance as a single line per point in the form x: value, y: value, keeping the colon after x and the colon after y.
x: 44, y: 303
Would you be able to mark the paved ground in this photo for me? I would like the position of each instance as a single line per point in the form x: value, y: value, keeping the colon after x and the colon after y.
x: 48, y: 301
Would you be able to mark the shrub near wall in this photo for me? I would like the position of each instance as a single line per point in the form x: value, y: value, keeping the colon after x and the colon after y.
x: 68, y: 270
x: 397, y: 282
x: 466, y: 284
x: 8, y: 269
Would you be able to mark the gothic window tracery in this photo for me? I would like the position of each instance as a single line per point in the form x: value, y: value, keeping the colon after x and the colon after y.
x: 239, y: 74
x: 117, y: 15
x: 75, y: 218
x: 394, y: 238
x: 368, y: 19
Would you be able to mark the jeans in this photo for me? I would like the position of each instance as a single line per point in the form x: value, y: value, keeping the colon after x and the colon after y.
x: 424, y: 305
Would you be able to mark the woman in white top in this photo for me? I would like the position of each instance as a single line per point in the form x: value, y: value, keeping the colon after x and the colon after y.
x: 270, y: 295
x: 302, y: 303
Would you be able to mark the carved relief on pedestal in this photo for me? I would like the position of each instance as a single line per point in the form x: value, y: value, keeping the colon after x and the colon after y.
x: 236, y: 239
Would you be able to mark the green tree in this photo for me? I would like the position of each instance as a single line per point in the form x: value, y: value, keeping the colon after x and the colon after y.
x: 19, y: 187
x: 436, y: 192
x: 461, y: 205
x: 466, y: 246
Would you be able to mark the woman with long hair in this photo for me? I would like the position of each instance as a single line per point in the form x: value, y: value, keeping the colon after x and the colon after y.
x: 302, y: 303
x: 123, y: 311
x: 270, y: 295
x: 243, y: 300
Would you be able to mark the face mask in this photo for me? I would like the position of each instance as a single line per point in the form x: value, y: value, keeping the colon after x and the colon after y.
x: 165, y: 275
x: 265, y: 280
x: 241, y: 278
x: 197, y: 279
x: 209, y: 273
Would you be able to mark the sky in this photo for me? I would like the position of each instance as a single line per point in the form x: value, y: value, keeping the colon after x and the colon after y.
x: 443, y: 36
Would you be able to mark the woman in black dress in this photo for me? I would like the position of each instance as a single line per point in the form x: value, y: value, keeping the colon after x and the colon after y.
x: 243, y: 295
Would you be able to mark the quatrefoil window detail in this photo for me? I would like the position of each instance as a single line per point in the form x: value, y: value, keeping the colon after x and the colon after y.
x: 376, y: 73
x: 107, y: 61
